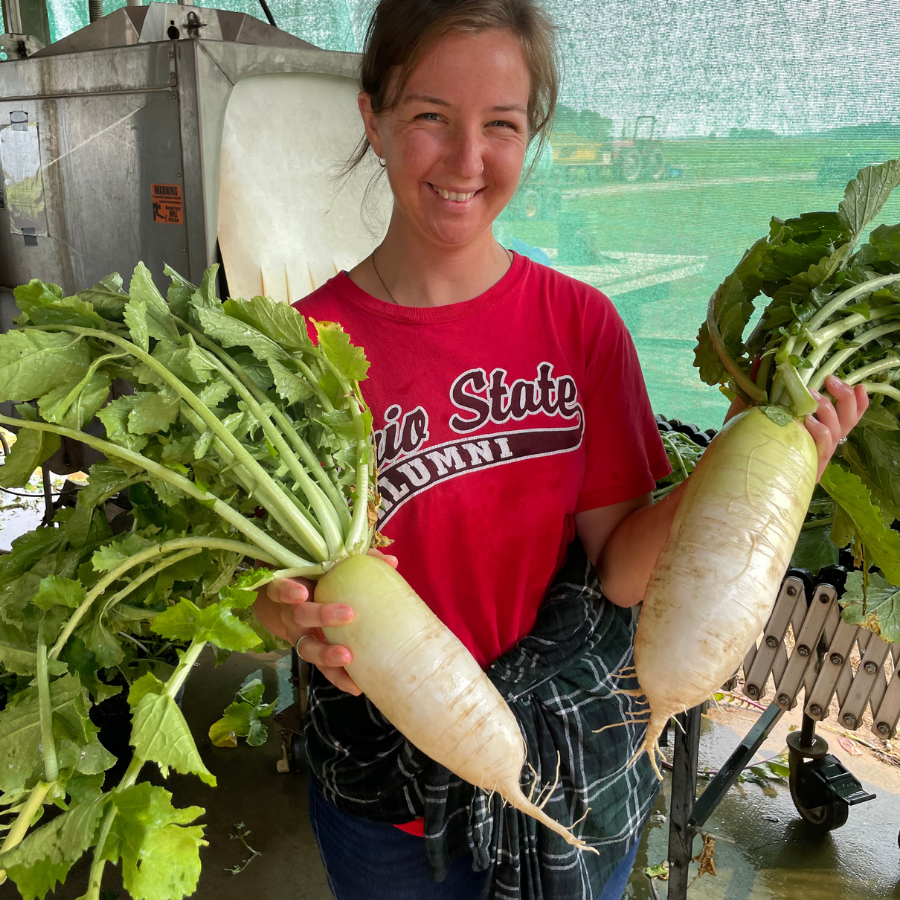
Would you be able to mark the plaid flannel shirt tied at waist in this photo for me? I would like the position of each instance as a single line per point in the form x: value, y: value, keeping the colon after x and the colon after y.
x: 561, y: 683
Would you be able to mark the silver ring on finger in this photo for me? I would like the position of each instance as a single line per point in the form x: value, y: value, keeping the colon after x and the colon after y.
x: 842, y: 440
x: 299, y: 641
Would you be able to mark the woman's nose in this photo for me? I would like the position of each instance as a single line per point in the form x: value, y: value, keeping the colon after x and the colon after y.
x: 466, y: 156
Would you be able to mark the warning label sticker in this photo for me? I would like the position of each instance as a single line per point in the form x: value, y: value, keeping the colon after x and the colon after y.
x: 167, y: 205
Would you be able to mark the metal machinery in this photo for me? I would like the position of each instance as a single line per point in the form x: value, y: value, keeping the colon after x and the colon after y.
x: 181, y: 135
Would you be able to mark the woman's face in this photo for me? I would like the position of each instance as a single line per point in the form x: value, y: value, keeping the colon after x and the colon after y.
x: 455, y: 141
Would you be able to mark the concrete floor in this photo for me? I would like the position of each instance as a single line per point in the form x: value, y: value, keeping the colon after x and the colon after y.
x: 764, y: 851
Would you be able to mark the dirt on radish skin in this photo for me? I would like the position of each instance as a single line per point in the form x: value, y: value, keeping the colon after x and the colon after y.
x: 426, y: 683
x: 717, y: 577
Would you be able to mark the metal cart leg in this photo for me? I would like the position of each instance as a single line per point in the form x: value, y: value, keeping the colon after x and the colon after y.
x: 684, y: 790
x: 689, y: 813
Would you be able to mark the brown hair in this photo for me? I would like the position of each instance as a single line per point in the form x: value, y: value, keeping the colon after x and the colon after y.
x: 401, y: 31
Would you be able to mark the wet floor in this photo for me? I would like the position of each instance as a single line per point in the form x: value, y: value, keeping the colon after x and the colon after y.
x: 763, y: 850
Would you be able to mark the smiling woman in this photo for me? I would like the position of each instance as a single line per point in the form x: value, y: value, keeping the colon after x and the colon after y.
x: 516, y: 451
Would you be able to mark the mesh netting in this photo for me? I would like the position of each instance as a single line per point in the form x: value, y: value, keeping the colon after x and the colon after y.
x: 685, y: 126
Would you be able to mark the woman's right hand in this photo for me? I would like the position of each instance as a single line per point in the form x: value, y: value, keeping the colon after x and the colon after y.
x: 283, y: 607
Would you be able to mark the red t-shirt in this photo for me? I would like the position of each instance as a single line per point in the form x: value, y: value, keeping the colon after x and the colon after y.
x: 497, y: 420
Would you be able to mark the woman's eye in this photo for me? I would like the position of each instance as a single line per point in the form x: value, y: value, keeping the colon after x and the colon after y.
x: 499, y: 123
x: 429, y: 116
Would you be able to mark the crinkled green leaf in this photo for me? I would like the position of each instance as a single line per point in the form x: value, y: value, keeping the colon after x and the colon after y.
x: 881, y: 544
x: 152, y: 411
x: 160, y: 855
x: 179, y: 294
x: 136, y: 319
x: 28, y: 549
x: 35, y: 362
x: 148, y: 683
x: 873, y: 453
x: 46, y: 854
x: 335, y: 343
x: 24, y: 662
x: 107, y: 297
x: 279, y: 321
x: 215, y: 623
x: 161, y: 735
x: 36, y: 293
x: 82, y: 663
x: 100, y: 639
x: 214, y: 393
x: 114, y: 417
x: 116, y: 552
x: 815, y: 550
x: 104, y: 480
x: 231, y: 332
x: 184, y: 360
x: 20, y: 730
x: 290, y: 386
x: 59, y: 591
x: 73, y: 405
x: 242, y: 718
x: 867, y: 193
x: 31, y: 449
x: 878, y: 610
x: 91, y: 758
x: 159, y: 321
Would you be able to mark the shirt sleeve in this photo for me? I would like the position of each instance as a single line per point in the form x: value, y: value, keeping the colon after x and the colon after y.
x: 625, y: 456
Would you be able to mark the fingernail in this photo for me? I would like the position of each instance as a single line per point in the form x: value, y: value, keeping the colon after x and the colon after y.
x: 343, y: 657
x: 343, y: 614
x: 297, y: 593
x: 817, y: 395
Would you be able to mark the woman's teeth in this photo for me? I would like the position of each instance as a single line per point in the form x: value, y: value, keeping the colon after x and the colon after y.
x: 452, y: 195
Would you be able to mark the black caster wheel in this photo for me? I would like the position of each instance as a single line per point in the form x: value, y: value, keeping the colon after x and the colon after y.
x: 297, y: 754
x: 822, y: 818
x: 825, y: 818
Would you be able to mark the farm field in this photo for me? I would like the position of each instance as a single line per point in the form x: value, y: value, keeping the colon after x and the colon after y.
x: 720, y: 203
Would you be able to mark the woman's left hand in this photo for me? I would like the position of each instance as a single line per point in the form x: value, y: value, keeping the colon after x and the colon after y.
x: 832, y: 422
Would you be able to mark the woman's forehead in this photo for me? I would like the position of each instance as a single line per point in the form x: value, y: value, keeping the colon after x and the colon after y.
x: 489, y: 64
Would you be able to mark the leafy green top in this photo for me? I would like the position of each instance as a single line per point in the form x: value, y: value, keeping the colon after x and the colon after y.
x: 232, y: 436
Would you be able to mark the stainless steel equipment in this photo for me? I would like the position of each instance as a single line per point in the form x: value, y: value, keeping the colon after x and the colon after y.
x: 111, y: 146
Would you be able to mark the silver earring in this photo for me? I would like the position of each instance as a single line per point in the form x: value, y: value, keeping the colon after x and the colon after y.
x: 482, y: 169
x: 382, y: 161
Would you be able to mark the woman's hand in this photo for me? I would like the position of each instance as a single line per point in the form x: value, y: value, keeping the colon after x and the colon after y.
x: 283, y: 607
x: 834, y: 421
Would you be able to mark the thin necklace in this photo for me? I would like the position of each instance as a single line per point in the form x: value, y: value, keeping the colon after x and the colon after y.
x: 382, y: 281
x: 388, y: 290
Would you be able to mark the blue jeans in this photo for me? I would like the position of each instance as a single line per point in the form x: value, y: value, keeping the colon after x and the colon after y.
x: 374, y: 861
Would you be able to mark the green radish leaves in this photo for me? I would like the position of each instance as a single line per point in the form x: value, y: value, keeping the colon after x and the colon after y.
x: 216, y: 624
x: 158, y: 846
x: 881, y: 543
x: 242, y: 718
x: 867, y: 194
x: 33, y: 363
x: 832, y: 309
x: 46, y: 855
x: 875, y: 606
x: 160, y: 734
x: 232, y: 432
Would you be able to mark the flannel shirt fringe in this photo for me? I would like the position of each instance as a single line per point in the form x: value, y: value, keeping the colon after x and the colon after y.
x: 561, y: 683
